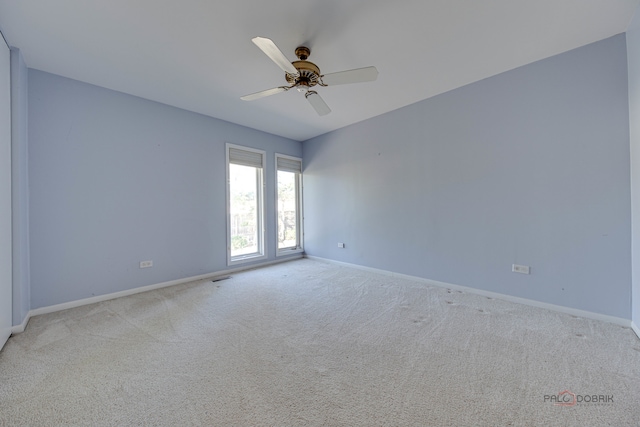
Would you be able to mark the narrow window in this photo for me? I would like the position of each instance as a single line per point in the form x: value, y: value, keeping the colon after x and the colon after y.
x: 245, y: 204
x: 289, y: 204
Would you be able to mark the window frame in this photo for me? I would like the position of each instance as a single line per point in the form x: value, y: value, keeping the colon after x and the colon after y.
x: 261, y: 211
x: 299, y: 217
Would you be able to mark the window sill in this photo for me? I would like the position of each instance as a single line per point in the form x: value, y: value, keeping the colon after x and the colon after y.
x: 290, y: 251
x: 245, y: 258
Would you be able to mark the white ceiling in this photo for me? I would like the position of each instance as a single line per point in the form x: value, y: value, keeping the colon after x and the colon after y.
x: 198, y: 54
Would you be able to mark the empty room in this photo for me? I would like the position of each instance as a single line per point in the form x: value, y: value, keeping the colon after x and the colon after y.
x: 320, y: 213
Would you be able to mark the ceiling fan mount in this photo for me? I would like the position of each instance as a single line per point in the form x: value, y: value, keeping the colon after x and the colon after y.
x: 303, y: 52
x: 303, y: 75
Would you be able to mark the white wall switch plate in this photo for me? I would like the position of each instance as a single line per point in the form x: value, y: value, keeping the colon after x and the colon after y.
x: 341, y: 245
x: 523, y: 269
x: 146, y: 264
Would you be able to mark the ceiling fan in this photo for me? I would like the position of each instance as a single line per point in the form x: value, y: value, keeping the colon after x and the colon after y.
x: 303, y: 75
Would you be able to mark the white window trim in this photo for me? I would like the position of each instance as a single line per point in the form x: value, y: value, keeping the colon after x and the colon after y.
x: 300, y: 248
x: 262, y: 247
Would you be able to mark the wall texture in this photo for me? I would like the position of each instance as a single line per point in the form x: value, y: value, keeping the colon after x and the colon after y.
x: 633, y: 57
x: 529, y: 167
x: 115, y: 180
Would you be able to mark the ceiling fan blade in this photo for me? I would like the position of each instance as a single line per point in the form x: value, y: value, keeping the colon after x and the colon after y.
x: 317, y: 103
x: 359, y: 75
x: 276, y: 55
x: 264, y: 93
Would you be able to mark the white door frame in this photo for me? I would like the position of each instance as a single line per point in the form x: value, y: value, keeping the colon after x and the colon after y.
x: 6, y: 287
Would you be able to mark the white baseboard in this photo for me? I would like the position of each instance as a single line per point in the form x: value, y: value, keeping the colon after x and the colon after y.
x: 635, y: 328
x: 560, y: 308
x: 576, y: 312
x: 72, y: 304
x: 22, y: 326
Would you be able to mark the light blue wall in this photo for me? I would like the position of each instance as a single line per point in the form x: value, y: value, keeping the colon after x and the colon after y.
x: 19, y: 188
x: 529, y: 167
x: 633, y: 57
x: 115, y: 180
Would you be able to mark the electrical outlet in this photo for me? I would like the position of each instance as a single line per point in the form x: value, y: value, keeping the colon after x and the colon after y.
x: 341, y: 245
x: 522, y: 269
x: 146, y: 264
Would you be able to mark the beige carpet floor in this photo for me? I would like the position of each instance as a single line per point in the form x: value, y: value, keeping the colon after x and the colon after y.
x: 307, y: 343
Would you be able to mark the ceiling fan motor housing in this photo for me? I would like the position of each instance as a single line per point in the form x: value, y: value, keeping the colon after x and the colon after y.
x: 309, y: 73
